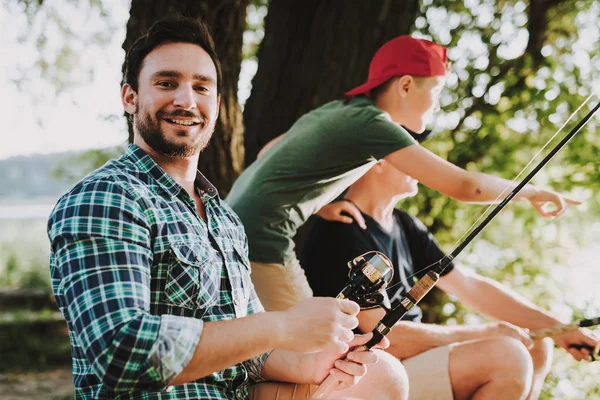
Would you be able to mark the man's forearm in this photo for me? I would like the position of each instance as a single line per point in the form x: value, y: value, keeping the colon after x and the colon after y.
x: 221, y: 344
x: 287, y: 366
x: 408, y: 339
x: 500, y: 302
x: 484, y: 188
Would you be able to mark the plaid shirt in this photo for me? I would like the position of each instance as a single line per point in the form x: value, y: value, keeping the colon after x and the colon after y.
x: 136, y: 272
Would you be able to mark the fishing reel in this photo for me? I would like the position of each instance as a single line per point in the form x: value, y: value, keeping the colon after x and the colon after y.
x: 369, y: 274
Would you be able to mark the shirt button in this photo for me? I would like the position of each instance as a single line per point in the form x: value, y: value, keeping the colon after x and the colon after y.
x: 198, y: 258
x: 236, y: 302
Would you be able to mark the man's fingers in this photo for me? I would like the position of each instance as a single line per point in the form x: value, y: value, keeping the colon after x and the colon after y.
x: 356, y: 214
x: 359, y: 340
x: 545, y: 213
x: 578, y: 354
x: 363, y: 357
x: 345, y: 220
x: 523, y: 336
x: 572, y: 202
x: 526, y: 340
x: 351, y: 368
x: 349, y: 307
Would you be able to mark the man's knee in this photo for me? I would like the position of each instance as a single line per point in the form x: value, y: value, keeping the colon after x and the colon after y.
x: 514, y: 365
x: 389, y: 375
x: 542, y: 354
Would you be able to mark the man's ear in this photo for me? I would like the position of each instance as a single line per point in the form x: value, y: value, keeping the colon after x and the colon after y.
x: 404, y: 84
x: 129, y: 99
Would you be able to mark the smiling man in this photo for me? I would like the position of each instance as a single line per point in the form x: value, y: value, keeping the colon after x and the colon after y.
x: 150, y: 270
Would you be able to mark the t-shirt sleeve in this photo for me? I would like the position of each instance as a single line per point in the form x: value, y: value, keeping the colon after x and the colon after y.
x: 424, y: 249
x: 382, y: 136
x: 326, y: 252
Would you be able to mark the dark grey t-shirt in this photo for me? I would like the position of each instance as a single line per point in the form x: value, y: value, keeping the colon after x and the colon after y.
x: 321, y: 155
x: 330, y: 245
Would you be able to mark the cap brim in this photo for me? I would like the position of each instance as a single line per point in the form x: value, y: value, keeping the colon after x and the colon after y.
x: 366, y: 87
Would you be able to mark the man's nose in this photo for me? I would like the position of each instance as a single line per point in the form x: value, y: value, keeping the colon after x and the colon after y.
x: 184, y: 98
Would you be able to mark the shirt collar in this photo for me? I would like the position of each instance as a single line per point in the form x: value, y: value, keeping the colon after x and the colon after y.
x: 147, y: 165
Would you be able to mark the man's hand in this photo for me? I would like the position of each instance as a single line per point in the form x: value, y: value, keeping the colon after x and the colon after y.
x: 348, y: 371
x: 505, y: 329
x: 318, y: 323
x: 333, y: 212
x: 578, y: 343
x: 541, y: 199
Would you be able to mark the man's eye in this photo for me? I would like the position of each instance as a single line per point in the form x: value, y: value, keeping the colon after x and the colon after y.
x: 165, y: 84
x: 201, y: 89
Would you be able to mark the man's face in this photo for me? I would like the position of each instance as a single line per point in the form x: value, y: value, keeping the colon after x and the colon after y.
x: 397, y: 181
x: 422, y: 101
x: 176, y: 105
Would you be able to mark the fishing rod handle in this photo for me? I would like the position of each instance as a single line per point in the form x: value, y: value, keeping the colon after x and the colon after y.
x: 421, y: 288
x: 415, y: 295
x: 555, y: 330
x: 559, y: 329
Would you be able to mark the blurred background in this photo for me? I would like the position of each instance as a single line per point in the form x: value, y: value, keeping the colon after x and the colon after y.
x: 520, y: 69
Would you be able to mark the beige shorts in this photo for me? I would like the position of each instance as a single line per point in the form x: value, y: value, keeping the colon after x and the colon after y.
x: 428, y: 374
x: 280, y: 286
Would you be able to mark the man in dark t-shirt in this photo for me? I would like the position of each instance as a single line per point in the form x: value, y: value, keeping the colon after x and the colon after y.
x: 442, y: 362
x: 409, y: 246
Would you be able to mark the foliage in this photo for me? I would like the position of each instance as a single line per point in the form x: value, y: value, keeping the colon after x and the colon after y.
x: 59, y: 39
x: 499, y: 108
x: 76, y: 167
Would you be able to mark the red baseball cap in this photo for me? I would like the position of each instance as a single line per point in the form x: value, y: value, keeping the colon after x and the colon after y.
x: 403, y: 55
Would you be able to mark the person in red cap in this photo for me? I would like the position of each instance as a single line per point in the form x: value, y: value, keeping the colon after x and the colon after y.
x: 331, y: 147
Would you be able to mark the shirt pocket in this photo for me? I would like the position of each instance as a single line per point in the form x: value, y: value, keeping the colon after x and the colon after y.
x: 193, y: 277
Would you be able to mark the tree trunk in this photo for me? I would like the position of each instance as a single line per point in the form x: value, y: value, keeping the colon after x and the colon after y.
x: 314, y: 51
x: 222, y: 160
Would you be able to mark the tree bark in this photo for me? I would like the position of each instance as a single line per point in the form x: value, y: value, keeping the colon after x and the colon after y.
x: 222, y: 160
x: 314, y: 51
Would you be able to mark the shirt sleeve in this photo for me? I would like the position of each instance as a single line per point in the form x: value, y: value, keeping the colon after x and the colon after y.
x: 101, y: 255
x: 382, y: 136
x: 424, y: 249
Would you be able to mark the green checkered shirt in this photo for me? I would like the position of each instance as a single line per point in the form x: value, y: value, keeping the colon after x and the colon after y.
x: 136, y: 272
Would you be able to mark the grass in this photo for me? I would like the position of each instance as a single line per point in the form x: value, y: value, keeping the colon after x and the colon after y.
x: 24, y: 254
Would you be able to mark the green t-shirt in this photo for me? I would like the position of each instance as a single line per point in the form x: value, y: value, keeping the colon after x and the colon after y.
x: 321, y: 155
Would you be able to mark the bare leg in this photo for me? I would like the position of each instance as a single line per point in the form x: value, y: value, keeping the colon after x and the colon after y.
x: 385, y: 380
x: 489, y: 368
x: 541, y: 354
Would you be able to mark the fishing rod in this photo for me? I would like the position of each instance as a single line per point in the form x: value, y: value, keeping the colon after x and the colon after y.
x: 560, y: 329
x: 428, y: 281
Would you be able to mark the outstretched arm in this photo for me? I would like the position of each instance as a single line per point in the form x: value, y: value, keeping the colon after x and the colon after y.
x: 499, y: 302
x: 468, y: 186
x: 408, y: 338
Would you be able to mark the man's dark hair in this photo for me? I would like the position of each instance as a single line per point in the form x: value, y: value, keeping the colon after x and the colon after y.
x: 169, y: 30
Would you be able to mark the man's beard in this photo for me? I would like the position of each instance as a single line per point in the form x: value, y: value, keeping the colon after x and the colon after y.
x: 153, y: 135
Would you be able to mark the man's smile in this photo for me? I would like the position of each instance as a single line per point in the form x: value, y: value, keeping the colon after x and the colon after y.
x: 184, y: 122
